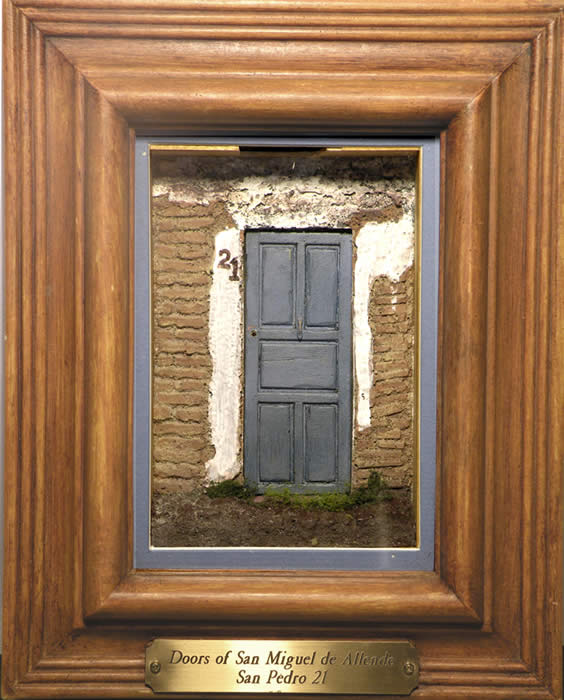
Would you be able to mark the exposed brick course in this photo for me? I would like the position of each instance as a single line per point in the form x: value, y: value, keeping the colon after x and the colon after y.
x: 182, y: 258
x: 388, y: 444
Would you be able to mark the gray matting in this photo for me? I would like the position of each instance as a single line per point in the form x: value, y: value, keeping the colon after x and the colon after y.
x: 282, y: 558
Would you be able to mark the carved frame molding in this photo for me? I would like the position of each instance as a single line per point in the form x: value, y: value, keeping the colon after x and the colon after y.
x: 81, y: 78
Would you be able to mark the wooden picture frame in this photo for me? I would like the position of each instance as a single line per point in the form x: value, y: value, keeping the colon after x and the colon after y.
x: 81, y: 78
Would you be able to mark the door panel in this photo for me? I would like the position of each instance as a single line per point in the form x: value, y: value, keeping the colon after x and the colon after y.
x: 278, y: 284
x: 276, y: 440
x: 298, y: 360
x: 301, y: 365
x: 321, y: 446
x: 322, y: 286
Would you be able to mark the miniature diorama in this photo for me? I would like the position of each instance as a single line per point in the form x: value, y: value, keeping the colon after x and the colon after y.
x: 285, y: 326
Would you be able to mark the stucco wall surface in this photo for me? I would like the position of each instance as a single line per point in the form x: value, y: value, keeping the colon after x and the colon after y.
x: 201, y: 208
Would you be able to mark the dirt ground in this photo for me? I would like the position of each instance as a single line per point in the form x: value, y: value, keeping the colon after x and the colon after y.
x: 195, y: 520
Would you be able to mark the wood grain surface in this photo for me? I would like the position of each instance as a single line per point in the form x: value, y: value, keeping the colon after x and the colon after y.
x: 81, y: 77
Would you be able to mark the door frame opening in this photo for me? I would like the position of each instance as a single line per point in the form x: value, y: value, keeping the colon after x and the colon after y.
x: 316, y: 463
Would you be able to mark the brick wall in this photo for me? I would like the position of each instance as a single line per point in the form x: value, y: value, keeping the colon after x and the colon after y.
x: 182, y: 257
x: 388, y: 443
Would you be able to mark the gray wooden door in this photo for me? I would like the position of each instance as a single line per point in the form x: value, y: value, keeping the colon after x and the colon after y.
x: 298, y: 361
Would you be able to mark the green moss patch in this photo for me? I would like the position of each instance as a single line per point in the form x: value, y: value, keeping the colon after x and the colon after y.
x: 374, y: 491
x: 230, y: 489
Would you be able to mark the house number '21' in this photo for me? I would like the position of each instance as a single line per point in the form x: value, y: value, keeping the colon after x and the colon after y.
x: 228, y: 263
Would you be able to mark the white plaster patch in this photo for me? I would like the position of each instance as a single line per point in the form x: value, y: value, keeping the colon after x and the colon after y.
x: 298, y: 203
x: 282, y: 202
x: 178, y: 194
x: 225, y: 343
x: 382, y: 249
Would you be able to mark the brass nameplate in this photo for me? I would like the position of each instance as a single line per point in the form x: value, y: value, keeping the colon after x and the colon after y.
x: 275, y: 666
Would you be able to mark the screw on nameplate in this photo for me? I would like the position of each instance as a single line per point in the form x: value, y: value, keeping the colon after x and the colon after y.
x: 409, y: 668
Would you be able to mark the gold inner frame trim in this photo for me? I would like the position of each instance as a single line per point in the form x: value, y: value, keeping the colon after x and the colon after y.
x: 328, y: 151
